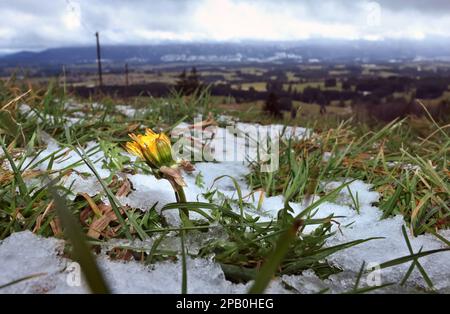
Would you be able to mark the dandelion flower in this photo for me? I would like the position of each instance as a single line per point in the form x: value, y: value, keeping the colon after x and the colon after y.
x: 155, y: 149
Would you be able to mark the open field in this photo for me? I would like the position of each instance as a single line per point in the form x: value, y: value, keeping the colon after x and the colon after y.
x: 258, y: 86
x: 382, y: 91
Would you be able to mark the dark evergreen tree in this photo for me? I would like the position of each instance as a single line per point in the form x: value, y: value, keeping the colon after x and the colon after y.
x: 181, y: 83
x: 272, y: 105
x: 322, y: 103
x: 194, y: 80
x: 188, y: 84
x: 330, y: 82
x: 290, y: 89
x: 293, y: 113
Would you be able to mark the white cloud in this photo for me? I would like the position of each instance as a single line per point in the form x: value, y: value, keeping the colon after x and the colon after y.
x: 232, y: 20
x: 72, y: 17
x: 32, y: 24
x: 6, y: 33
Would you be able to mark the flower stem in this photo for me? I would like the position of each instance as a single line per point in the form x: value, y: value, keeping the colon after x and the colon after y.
x: 181, y: 198
x: 184, y: 215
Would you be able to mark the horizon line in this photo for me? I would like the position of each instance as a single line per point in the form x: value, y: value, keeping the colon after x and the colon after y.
x: 428, y: 39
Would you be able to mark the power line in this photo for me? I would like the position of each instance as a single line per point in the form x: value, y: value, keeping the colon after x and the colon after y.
x: 83, y: 23
x: 72, y: 8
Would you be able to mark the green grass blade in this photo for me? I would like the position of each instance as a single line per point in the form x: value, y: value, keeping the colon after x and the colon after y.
x: 81, y: 251
x: 273, y: 261
x: 9, y: 284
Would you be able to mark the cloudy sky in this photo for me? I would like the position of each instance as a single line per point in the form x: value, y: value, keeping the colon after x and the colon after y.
x: 31, y: 24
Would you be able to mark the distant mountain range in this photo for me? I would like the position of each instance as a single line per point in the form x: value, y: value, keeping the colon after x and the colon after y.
x: 306, y: 51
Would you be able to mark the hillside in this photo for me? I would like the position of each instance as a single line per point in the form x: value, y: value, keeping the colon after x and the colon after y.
x: 336, y: 51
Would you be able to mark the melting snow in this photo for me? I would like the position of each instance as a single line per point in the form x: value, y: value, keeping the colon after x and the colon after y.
x: 40, y: 256
x: 359, y: 221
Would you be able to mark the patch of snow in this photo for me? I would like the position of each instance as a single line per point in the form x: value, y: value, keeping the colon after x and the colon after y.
x: 43, y: 256
x: 327, y: 156
x: 406, y: 166
x: 81, y: 179
x: 128, y: 111
x: 238, y: 142
x: 368, y: 223
x: 357, y: 190
x: 23, y: 254
x: 358, y: 221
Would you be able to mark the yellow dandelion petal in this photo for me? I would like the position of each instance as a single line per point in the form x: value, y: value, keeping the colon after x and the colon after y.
x: 132, y: 136
x: 165, y: 138
x: 152, y: 149
x: 149, y: 132
x: 143, y: 140
x: 135, y: 138
x: 134, y: 148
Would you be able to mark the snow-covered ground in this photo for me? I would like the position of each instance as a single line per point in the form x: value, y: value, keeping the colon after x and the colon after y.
x: 24, y: 254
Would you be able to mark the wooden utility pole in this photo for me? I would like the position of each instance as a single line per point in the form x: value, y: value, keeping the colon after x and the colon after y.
x: 99, y: 61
